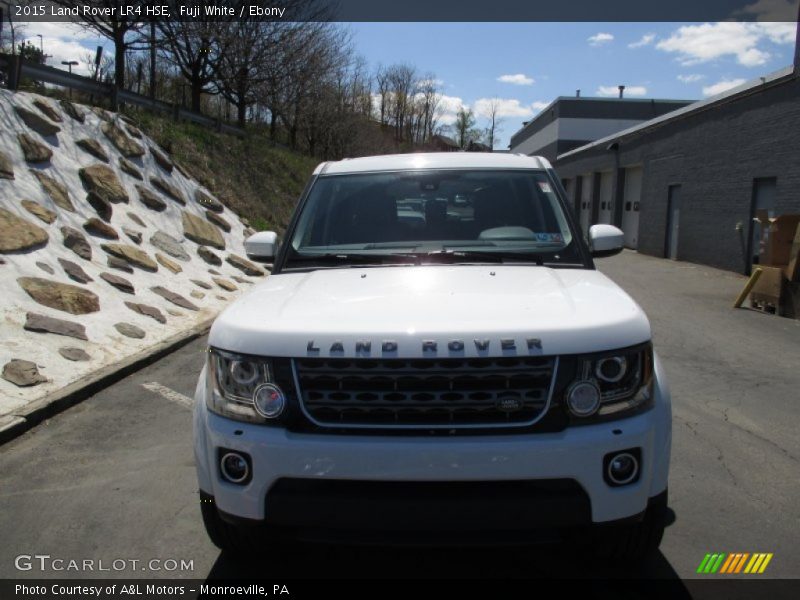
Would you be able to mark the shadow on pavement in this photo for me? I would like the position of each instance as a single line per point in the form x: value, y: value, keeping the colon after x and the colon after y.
x: 305, y: 561
x: 319, y: 561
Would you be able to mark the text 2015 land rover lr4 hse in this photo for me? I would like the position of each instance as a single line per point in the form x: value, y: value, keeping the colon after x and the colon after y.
x: 434, y: 358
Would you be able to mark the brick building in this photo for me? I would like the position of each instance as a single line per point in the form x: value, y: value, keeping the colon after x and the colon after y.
x: 687, y: 185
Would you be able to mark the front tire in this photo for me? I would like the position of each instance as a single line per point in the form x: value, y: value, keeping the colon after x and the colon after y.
x: 226, y: 536
x: 638, y: 541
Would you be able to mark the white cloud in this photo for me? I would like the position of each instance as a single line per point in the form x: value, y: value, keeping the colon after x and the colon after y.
x: 437, y: 83
x: 600, y: 38
x: 517, y: 79
x: 613, y: 90
x: 645, y: 40
x: 539, y: 106
x: 696, y: 44
x: 71, y: 31
x: 65, y: 42
x: 448, y: 108
x: 506, y: 107
x: 691, y: 78
x: 778, y: 33
x: 721, y: 86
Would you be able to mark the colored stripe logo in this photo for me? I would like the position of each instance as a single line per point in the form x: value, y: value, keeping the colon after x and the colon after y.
x: 735, y: 563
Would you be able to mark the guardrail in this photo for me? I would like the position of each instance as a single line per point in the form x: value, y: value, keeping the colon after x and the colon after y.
x: 17, y: 68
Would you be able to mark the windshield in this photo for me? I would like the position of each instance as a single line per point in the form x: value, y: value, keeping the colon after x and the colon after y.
x: 420, y: 217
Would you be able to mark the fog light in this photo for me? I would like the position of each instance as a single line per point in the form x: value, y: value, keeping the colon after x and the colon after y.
x: 269, y: 400
x: 234, y: 467
x: 583, y: 398
x: 623, y: 468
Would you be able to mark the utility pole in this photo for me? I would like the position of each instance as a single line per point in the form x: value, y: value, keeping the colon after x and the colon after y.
x: 152, y: 60
x: 70, y: 64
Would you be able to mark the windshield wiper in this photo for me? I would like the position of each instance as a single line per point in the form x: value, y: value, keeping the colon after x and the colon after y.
x: 480, y: 256
x: 360, y: 258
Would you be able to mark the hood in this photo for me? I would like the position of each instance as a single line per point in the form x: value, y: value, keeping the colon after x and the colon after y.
x: 425, y: 311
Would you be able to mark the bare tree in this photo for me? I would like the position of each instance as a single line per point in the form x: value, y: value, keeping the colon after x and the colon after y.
x: 495, y: 121
x: 428, y: 105
x: 464, y: 127
x: 241, y: 68
x: 98, y: 72
x: 401, y: 84
x: 196, y: 49
x: 115, y: 21
x: 382, y: 83
x: 15, y: 31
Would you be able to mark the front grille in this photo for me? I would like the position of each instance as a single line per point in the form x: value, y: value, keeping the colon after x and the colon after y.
x: 425, y: 393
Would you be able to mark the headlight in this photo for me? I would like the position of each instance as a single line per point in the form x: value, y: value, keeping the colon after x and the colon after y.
x: 583, y: 398
x: 243, y: 388
x: 624, y: 380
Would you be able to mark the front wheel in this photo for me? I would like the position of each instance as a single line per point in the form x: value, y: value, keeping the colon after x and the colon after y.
x: 638, y: 541
x: 228, y: 537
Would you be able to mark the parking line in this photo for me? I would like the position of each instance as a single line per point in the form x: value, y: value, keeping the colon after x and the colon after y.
x: 169, y: 394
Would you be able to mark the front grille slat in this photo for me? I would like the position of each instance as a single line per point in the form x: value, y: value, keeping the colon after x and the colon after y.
x: 425, y: 393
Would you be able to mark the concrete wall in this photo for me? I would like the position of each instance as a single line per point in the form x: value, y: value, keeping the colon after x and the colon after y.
x: 715, y: 155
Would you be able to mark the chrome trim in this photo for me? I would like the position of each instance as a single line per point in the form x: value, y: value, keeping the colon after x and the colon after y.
x: 622, y: 363
x: 544, y: 411
x: 571, y: 388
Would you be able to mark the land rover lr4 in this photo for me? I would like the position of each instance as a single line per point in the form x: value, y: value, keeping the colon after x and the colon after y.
x: 434, y: 357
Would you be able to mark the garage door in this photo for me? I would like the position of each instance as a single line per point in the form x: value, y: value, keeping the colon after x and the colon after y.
x: 586, y: 202
x: 605, y: 209
x: 631, y: 206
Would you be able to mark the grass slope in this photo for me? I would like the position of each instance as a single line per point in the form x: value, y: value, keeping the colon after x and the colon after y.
x: 255, y: 178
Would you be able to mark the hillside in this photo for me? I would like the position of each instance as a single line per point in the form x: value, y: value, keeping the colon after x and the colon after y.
x: 257, y: 179
x: 107, y: 245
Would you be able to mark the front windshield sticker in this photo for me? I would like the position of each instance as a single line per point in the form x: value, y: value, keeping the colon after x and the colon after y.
x: 549, y: 237
x: 545, y: 187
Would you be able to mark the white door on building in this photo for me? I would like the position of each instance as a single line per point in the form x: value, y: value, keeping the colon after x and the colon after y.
x: 673, y: 221
x: 606, y: 202
x: 630, y: 206
x: 586, y: 203
x: 763, y: 201
x: 569, y: 187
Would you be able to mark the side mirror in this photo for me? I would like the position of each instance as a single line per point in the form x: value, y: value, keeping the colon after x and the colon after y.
x: 605, y: 240
x: 261, y: 246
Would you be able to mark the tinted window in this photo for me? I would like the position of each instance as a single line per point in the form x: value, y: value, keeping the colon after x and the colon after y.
x: 486, y: 210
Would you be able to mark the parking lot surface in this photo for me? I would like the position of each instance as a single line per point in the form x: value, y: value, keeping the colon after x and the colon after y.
x: 113, y: 478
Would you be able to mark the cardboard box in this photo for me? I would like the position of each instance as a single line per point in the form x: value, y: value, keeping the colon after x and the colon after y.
x: 791, y: 301
x: 769, y: 287
x: 777, y: 249
x: 792, y: 270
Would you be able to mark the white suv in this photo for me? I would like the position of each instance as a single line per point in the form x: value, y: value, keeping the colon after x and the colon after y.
x: 456, y: 375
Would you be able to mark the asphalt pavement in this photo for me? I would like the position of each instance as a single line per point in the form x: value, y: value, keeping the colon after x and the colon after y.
x: 113, y: 477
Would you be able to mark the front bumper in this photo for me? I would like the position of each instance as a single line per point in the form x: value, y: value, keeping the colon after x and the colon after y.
x: 573, y: 455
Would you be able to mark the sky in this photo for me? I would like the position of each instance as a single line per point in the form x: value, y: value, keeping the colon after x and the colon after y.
x: 527, y: 65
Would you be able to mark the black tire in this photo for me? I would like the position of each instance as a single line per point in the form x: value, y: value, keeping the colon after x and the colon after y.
x: 228, y: 537
x: 637, y: 542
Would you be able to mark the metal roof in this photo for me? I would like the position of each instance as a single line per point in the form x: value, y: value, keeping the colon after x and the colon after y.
x: 750, y: 86
x: 620, y: 108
